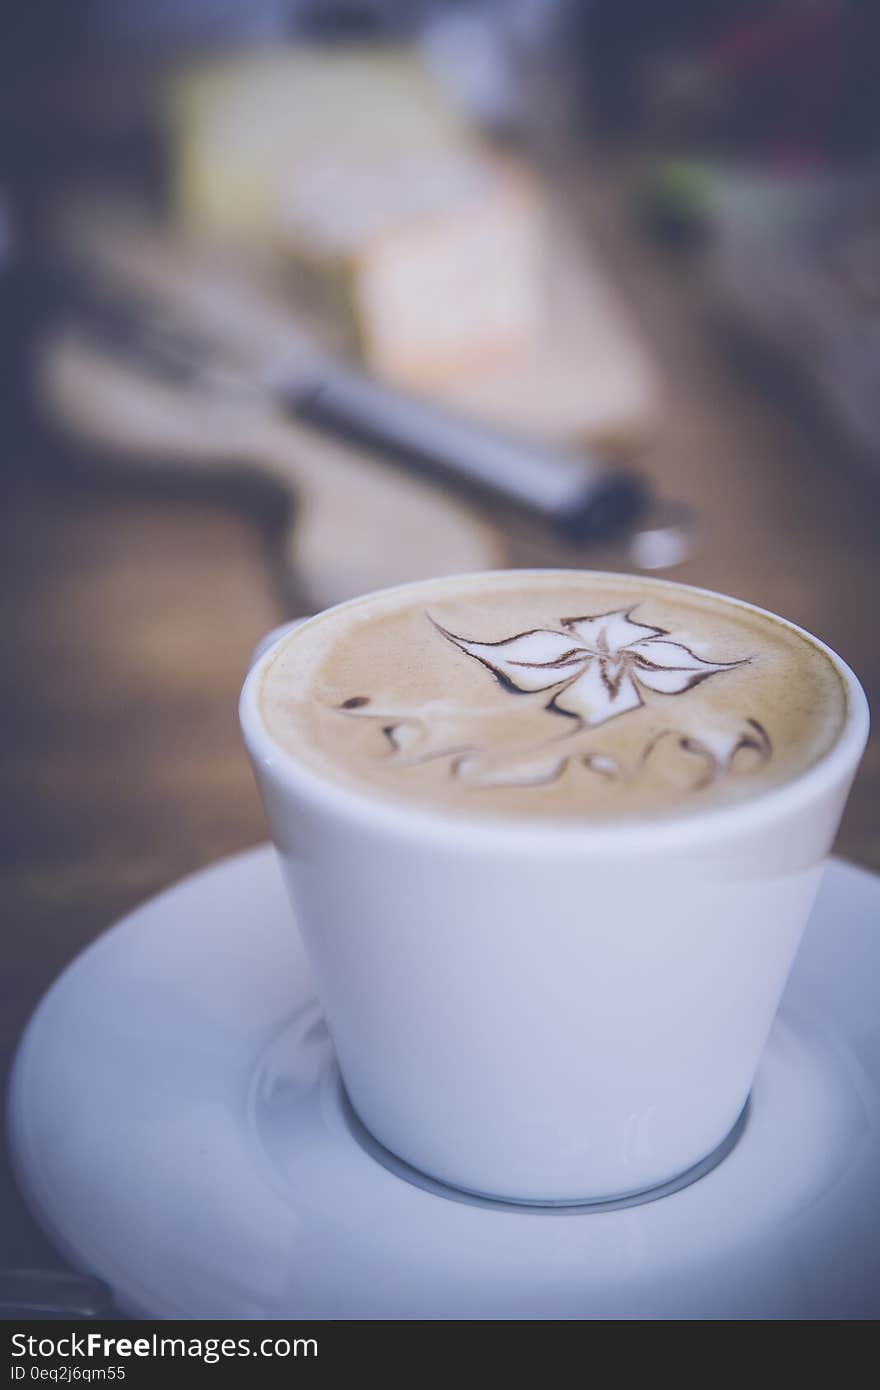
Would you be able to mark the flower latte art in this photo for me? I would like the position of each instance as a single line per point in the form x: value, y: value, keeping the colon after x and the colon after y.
x: 598, y: 664
x: 473, y: 695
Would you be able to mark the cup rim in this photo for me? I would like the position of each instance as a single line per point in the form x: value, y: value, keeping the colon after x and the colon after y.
x: 413, y: 821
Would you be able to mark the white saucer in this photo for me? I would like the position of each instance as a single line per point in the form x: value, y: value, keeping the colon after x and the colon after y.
x: 180, y: 1130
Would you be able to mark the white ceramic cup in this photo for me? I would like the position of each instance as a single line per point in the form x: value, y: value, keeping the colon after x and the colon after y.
x: 542, y: 1012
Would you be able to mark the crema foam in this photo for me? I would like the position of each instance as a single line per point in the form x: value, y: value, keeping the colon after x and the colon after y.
x: 553, y: 694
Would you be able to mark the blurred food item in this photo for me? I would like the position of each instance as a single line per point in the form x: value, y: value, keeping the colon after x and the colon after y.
x: 392, y: 218
x: 795, y: 266
x: 429, y: 267
x: 590, y: 380
x: 246, y: 127
x: 174, y: 314
x: 409, y: 238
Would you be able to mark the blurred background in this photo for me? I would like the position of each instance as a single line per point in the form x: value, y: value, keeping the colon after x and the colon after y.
x: 299, y: 298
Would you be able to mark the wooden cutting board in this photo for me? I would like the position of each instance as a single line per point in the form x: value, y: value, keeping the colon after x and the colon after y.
x: 355, y: 523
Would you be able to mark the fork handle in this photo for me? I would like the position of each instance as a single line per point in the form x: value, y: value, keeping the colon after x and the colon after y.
x: 573, y: 492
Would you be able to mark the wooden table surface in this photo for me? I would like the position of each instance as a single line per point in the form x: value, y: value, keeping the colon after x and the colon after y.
x: 130, y: 616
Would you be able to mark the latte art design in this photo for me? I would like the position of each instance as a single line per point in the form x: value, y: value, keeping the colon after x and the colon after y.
x: 473, y: 695
x: 596, y: 669
x: 597, y: 664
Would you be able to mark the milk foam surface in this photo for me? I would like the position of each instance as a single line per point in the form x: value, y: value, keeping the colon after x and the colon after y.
x: 559, y: 694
